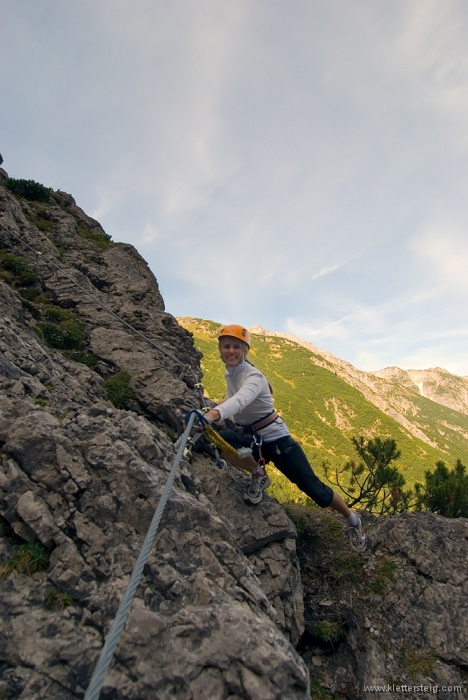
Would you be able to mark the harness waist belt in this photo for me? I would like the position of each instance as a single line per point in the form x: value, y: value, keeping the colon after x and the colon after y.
x: 259, y: 424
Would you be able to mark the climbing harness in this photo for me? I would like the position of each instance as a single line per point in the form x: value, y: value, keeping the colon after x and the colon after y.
x: 186, y: 368
x: 257, y: 441
x: 259, y: 424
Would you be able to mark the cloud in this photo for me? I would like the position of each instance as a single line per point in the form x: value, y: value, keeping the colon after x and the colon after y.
x: 325, y: 271
x: 443, y: 249
x: 436, y: 356
x: 302, y: 166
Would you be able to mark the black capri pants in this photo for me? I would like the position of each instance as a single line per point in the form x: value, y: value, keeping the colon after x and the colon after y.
x: 289, y: 457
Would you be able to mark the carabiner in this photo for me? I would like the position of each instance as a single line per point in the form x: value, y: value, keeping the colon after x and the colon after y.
x: 200, y: 416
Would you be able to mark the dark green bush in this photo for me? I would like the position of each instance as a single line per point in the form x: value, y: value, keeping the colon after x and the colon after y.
x: 68, y: 335
x: 101, y: 240
x: 31, y: 293
x: 51, y: 333
x: 54, y: 313
x: 16, y: 268
x: 29, y: 189
x: 445, y: 491
x: 118, y: 389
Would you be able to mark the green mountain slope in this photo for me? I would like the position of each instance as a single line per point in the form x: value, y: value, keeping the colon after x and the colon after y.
x: 323, y: 410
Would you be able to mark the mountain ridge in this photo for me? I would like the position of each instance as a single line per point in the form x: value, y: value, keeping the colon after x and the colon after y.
x: 324, y: 414
x: 88, y: 415
x: 417, y: 377
x: 384, y: 396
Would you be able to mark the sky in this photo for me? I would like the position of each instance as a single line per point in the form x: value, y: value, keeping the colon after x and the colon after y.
x: 296, y: 165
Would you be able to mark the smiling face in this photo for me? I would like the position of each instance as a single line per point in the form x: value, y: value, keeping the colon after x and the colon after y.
x: 231, y: 350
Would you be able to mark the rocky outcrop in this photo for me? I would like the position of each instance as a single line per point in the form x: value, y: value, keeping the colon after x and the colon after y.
x: 220, y: 599
x: 267, y: 537
x: 436, y: 384
x: 395, y: 616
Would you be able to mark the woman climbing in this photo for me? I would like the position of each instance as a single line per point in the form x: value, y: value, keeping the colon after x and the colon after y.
x: 249, y: 402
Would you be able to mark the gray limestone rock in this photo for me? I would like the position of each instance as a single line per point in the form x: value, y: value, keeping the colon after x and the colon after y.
x: 404, y: 604
x: 267, y: 537
x: 80, y: 479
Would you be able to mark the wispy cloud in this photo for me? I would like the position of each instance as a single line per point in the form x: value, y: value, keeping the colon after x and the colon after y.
x: 299, y: 167
x: 325, y: 271
x: 443, y: 248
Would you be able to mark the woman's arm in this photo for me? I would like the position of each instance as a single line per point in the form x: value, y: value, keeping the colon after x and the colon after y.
x: 250, y: 389
x: 213, y: 415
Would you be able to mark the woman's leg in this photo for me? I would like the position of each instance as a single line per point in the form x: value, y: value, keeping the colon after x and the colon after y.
x: 289, y: 457
x: 247, y: 463
x: 340, y: 506
x: 260, y: 479
x: 291, y: 460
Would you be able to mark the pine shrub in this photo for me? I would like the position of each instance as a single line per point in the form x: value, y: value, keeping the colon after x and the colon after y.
x: 29, y: 189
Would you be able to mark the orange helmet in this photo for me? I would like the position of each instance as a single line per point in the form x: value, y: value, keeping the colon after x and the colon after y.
x: 234, y: 331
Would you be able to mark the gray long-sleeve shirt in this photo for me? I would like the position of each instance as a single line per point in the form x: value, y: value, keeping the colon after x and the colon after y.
x: 249, y: 400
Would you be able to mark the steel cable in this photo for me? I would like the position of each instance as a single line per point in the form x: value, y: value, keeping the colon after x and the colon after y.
x: 105, y: 659
x: 107, y: 653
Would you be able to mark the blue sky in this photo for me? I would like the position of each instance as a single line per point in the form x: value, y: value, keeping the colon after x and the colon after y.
x: 298, y: 165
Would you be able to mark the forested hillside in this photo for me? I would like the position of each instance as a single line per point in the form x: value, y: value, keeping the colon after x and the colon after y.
x: 323, y: 411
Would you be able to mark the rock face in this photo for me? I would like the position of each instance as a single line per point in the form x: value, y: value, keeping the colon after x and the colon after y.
x: 396, y: 615
x: 220, y: 599
x: 436, y: 384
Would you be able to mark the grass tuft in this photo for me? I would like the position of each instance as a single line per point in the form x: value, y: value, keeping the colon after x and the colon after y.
x: 58, y: 600
x: 418, y: 662
x: 346, y: 567
x: 329, y: 630
x: 16, y: 270
x: 86, y: 358
x: 118, y: 389
x: 318, y: 692
x: 384, y: 572
x: 40, y: 402
x: 63, y: 330
x: 26, y: 559
x: 101, y: 240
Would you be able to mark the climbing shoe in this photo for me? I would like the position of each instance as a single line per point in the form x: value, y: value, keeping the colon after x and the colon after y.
x: 259, y: 483
x: 357, y: 536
